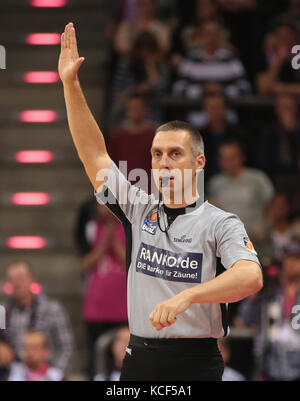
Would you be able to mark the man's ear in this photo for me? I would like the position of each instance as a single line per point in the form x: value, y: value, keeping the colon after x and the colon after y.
x: 200, y: 162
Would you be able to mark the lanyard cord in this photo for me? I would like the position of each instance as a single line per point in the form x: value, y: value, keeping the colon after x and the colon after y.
x: 158, y: 215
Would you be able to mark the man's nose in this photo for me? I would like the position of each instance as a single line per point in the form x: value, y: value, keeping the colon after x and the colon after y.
x: 164, y: 162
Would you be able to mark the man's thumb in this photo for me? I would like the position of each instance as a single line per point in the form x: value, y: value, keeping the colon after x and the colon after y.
x: 79, y: 62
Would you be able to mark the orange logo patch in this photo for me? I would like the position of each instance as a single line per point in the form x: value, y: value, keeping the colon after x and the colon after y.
x: 153, y: 217
x: 248, y: 244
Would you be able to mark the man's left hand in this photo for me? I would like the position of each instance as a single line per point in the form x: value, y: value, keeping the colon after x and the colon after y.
x: 164, y: 314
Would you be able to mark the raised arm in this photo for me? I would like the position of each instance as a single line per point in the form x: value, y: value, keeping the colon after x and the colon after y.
x: 85, y: 131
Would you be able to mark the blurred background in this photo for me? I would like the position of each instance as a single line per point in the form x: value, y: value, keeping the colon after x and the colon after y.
x: 227, y: 67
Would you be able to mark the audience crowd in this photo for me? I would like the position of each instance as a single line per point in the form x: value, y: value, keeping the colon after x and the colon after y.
x: 217, y: 54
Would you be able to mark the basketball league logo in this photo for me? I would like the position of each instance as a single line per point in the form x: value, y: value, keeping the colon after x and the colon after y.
x: 150, y: 223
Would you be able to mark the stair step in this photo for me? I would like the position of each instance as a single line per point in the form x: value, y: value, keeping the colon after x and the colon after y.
x: 44, y: 58
x: 59, y: 141
x: 15, y: 100
x: 49, y: 268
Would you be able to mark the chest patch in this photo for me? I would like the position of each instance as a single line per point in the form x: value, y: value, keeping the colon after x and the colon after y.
x: 150, y: 223
x: 183, y: 267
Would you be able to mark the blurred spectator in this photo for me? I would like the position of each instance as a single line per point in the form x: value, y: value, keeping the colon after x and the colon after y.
x: 277, y: 76
x: 104, y: 305
x: 209, y: 62
x: 279, y: 234
x: 229, y: 373
x: 273, y: 311
x: 240, y: 18
x: 114, y: 352
x: 144, y: 71
x: 213, y: 94
x: 237, y: 6
x: 279, y: 145
x: 189, y: 37
x: 131, y: 142
x: 292, y: 14
x: 238, y: 189
x: 35, y: 361
x: 25, y: 312
x: 220, y: 125
x: 87, y: 213
x: 145, y: 21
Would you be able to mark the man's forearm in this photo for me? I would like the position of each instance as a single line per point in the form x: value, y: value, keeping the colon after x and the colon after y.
x: 233, y: 285
x: 86, y: 134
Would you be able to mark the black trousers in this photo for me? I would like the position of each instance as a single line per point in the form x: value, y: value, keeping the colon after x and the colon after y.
x: 176, y: 359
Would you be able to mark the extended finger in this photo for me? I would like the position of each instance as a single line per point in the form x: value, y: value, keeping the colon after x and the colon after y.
x: 62, y: 41
x: 73, y: 41
x: 68, y: 36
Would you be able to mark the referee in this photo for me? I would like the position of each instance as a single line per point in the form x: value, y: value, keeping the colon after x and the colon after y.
x: 185, y: 260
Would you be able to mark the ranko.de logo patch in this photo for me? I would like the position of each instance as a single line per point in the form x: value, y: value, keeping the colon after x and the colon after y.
x: 150, y: 223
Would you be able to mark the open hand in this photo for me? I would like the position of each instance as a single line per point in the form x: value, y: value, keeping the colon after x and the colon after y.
x: 69, y: 60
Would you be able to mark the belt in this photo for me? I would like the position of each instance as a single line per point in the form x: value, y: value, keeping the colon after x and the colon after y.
x: 176, y: 342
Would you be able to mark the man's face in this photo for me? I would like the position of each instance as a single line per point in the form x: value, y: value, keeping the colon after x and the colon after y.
x: 231, y: 158
x: 21, y: 279
x: 211, y: 35
x: 172, y: 157
x: 285, y: 37
x: 215, y: 108
x: 146, y: 8
x: 286, y: 105
x: 136, y: 110
x: 35, y: 352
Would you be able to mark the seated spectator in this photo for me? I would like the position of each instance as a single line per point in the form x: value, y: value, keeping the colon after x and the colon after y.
x: 104, y: 303
x: 131, y: 141
x: 240, y: 19
x: 229, y: 374
x: 145, y: 21
x: 213, y: 95
x: 115, y: 352
x: 144, y: 72
x: 35, y: 361
x: 277, y: 76
x: 277, y: 346
x: 292, y: 14
x: 217, y: 123
x: 209, y: 62
x: 238, y: 189
x: 279, y: 145
x: 25, y: 312
x: 278, y: 234
x: 190, y: 37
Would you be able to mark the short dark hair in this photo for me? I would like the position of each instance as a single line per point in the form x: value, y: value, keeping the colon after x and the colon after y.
x: 197, y: 144
x: 234, y: 141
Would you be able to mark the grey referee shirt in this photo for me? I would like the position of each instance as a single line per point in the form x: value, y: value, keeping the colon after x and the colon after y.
x: 199, y: 245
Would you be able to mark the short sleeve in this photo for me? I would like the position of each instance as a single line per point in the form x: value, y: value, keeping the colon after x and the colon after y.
x: 233, y: 243
x: 121, y: 197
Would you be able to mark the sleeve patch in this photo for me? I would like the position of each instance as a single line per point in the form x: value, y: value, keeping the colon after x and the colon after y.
x: 249, y: 245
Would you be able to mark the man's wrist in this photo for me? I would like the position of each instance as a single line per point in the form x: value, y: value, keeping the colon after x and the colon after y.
x: 192, y: 295
x: 71, y: 84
